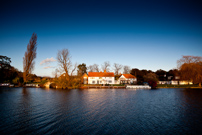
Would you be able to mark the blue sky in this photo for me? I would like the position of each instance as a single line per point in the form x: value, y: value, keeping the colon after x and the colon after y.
x: 144, y: 34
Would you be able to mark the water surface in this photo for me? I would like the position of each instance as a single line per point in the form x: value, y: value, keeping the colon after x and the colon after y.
x: 100, y: 111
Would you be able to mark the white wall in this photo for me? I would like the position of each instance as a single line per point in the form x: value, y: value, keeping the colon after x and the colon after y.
x: 101, y: 80
x: 132, y: 80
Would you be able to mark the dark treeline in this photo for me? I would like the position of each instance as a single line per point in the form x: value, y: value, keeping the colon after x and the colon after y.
x: 160, y: 75
x: 10, y: 74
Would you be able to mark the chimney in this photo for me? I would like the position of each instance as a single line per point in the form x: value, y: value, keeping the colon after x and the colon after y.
x: 105, y: 71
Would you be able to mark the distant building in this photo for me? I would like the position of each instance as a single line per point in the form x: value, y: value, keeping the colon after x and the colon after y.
x: 98, y: 78
x: 127, y: 79
x: 176, y: 81
x: 85, y: 78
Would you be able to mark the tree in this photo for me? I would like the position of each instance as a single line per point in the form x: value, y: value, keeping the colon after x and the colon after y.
x: 139, y: 74
x: 126, y: 70
x: 5, y: 62
x: 28, y: 59
x: 66, y: 80
x: 105, y: 66
x: 82, y: 69
x: 171, y: 74
x: 90, y: 68
x: 96, y: 67
x: 117, y: 68
x: 74, y: 68
x: 150, y: 77
x: 191, y: 68
x: 64, y: 61
x: 161, y: 74
x: 4, y: 68
x: 93, y: 68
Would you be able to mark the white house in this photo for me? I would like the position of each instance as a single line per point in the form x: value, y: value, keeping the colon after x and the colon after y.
x: 127, y: 79
x: 100, y: 77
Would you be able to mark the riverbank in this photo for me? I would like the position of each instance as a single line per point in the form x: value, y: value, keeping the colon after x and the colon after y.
x: 178, y: 86
x: 103, y: 87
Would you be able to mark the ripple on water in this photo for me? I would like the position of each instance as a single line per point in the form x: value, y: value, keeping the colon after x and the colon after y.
x: 103, y: 111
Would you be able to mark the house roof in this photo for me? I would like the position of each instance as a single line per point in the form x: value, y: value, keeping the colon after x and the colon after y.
x: 85, y: 75
x: 128, y: 76
x: 100, y: 74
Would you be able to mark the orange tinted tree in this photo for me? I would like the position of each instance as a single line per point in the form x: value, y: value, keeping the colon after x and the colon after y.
x: 28, y: 59
x: 191, y: 68
x: 64, y: 61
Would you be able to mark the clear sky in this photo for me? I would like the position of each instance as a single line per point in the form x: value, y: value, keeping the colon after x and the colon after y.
x: 142, y: 34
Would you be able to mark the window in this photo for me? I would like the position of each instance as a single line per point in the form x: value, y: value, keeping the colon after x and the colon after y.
x: 110, y: 81
x: 92, y: 77
x: 93, y: 82
x: 100, y: 77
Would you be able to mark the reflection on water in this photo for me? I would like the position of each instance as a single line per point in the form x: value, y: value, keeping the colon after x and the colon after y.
x: 100, y: 111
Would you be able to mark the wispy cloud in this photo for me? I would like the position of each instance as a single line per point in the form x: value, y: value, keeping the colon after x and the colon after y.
x: 47, y: 61
x: 48, y: 67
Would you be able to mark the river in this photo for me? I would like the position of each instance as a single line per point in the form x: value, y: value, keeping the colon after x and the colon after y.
x: 100, y: 111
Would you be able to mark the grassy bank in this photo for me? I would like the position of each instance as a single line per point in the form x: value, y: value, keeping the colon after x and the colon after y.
x: 177, y: 86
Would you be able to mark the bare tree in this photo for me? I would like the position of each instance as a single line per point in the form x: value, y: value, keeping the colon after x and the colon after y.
x: 74, y: 68
x: 55, y: 73
x: 30, y: 55
x: 105, y: 66
x: 93, y: 68
x: 96, y: 68
x: 117, y: 68
x: 90, y: 68
x: 126, y: 70
x: 63, y: 58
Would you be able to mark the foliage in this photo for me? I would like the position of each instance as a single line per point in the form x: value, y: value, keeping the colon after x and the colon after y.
x: 152, y: 83
x: 28, y: 59
x: 191, y: 68
x: 7, y: 72
x: 150, y: 77
x: 117, y: 77
x: 42, y: 83
x: 176, y: 86
x: 161, y: 74
x: 4, y: 68
x: 66, y: 80
x: 5, y: 62
x: 69, y: 82
x: 82, y: 69
x: 139, y: 74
